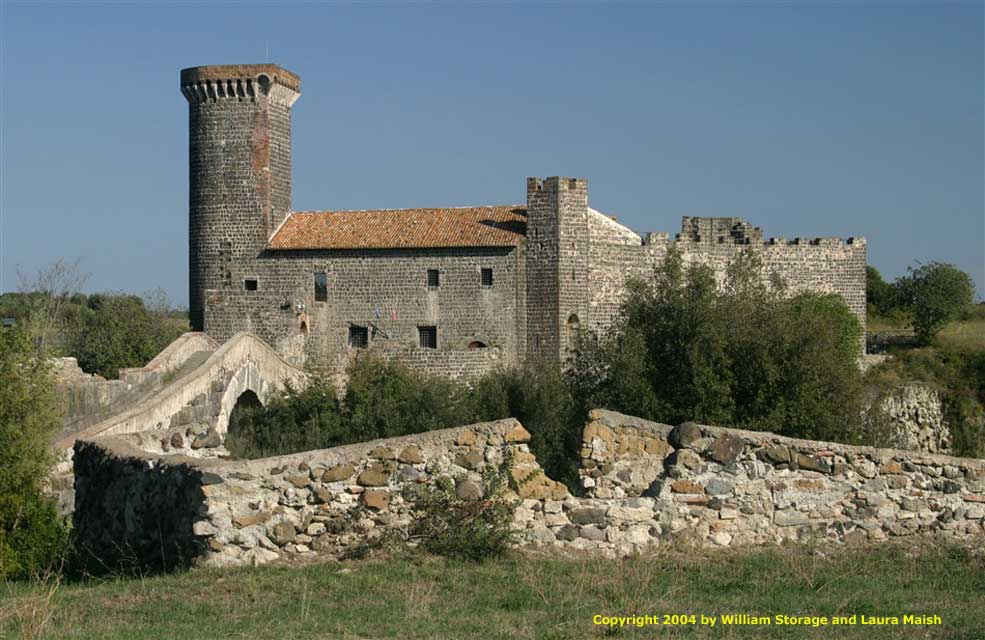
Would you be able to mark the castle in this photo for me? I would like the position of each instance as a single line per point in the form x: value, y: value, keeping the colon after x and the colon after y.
x: 451, y: 290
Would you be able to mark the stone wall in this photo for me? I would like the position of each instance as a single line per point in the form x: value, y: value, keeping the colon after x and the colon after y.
x: 916, y: 412
x: 727, y: 486
x: 88, y: 399
x: 645, y: 484
x: 385, y: 292
x: 302, y: 505
x: 826, y: 265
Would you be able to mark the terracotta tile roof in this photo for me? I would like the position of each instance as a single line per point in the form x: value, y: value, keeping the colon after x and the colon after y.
x: 499, y: 226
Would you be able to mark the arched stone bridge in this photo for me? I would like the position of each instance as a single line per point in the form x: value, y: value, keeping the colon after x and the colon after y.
x: 205, y: 396
x: 188, y: 409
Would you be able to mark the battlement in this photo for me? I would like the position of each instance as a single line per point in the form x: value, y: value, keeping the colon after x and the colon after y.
x: 736, y: 231
x: 556, y: 183
x: 241, y: 82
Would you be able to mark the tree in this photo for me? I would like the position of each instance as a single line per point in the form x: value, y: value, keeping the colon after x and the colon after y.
x: 879, y: 294
x: 43, y: 299
x: 935, y: 293
x: 110, y: 332
x: 31, y: 533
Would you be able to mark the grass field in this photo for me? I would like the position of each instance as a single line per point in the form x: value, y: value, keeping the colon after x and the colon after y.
x: 522, y: 597
x: 966, y: 334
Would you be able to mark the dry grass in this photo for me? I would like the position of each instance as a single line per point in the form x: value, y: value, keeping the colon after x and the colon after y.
x: 968, y: 335
x: 31, y: 612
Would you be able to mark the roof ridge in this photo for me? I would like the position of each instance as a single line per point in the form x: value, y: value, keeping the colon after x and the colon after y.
x: 461, y: 207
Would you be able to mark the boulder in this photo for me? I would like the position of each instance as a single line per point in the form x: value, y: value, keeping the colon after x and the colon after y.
x: 683, y: 435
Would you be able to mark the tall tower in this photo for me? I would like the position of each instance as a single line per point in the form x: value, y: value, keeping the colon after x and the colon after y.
x: 557, y: 265
x: 239, y: 163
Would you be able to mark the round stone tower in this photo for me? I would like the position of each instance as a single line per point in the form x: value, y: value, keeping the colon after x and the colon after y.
x: 239, y: 162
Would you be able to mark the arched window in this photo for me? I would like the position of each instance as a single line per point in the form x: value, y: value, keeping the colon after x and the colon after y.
x: 477, y: 344
x: 574, y: 329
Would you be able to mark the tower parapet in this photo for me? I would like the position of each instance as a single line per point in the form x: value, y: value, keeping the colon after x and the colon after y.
x: 239, y: 151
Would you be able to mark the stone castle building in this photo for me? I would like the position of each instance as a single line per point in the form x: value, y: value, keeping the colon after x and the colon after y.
x: 451, y: 290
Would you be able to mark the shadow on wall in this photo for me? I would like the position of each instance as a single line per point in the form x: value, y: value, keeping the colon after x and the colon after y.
x: 132, y: 513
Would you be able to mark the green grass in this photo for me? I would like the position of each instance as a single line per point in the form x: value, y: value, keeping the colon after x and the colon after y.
x: 522, y: 597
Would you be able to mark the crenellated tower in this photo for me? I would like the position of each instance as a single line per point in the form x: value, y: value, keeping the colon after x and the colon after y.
x: 239, y: 152
x: 557, y: 255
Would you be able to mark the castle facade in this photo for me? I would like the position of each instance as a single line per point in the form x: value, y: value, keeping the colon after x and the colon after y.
x: 450, y: 290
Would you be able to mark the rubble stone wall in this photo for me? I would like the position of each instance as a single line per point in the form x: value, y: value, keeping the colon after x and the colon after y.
x: 645, y: 484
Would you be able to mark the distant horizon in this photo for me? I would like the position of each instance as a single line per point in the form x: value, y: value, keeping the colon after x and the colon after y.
x: 807, y: 121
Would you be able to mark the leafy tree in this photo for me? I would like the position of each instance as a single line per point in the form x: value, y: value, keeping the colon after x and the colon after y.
x: 110, y: 332
x: 935, y: 293
x: 31, y: 533
x: 879, y: 294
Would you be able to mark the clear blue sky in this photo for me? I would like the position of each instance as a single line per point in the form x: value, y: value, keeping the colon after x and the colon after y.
x: 848, y: 119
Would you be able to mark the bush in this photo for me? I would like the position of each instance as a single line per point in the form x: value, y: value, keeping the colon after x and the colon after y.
x: 31, y: 533
x: 296, y: 420
x: 935, y: 293
x: 473, y: 530
x: 745, y: 354
x: 33, y: 536
x: 881, y: 295
x: 110, y: 332
x: 538, y: 395
x: 384, y: 400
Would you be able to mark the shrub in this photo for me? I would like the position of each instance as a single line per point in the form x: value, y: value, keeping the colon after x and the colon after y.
x: 473, y: 530
x: 31, y: 533
x: 538, y: 395
x: 384, y: 399
x: 295, y: 420
x: 935, y: 293
x: 33, y: 536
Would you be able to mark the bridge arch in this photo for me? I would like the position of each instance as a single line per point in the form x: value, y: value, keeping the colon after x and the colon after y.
x: 247, y: 384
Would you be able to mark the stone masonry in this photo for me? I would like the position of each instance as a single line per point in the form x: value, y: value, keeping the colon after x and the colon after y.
x: 512, y: 281
x: 646, y: 484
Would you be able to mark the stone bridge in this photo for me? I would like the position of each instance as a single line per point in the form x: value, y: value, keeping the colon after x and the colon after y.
x: 190, y: 400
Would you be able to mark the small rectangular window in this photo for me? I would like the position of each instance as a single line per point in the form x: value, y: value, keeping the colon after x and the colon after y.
x: 434, y: 280
x: 321, y: 287
x: 250, y: 284
x: 487, y: 278
x: 358, y: 337
x: 428, y: 336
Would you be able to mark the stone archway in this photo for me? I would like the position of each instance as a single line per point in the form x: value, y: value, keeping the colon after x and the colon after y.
x: 247, y: 379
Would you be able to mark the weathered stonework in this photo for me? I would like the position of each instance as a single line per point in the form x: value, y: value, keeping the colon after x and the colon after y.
x: 916, y: 411
x: 711, y: 487
x: 566, y: 272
